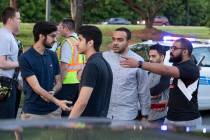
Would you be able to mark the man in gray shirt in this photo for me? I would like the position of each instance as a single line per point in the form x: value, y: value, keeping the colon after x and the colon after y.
x: 8, y: 58
x: 130, y: 86
x: 159, y: 86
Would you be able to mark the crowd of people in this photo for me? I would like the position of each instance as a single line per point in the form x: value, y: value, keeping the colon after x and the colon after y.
x: 74, y: 79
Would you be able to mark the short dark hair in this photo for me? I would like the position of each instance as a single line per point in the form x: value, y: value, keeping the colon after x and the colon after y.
x: 123, y: 29
x: 43, y: 28
x: 69, y: 23
x: 185, y: 44
x: 159, y: 48
x: 90, y: 32
x: 7, y: 13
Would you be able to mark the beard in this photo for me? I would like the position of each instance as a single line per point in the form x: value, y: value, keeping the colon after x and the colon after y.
x: 175, y: 60
x: 47, y: 45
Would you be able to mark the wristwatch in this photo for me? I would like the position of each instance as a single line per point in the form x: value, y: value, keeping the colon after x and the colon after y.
x: 140, y: 64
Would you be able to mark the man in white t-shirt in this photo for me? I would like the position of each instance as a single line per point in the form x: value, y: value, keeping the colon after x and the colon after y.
x: 8, y: 59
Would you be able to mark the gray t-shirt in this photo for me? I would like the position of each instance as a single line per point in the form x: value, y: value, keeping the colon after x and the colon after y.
x: 8, y: 48
x: 66, y: 53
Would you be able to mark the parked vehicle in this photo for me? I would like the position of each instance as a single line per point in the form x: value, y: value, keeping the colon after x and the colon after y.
x: 200, y: 48
x: 158, y: 21
x: 116, y: 21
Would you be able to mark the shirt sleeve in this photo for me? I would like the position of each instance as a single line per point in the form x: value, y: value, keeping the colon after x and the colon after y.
x: 66, y: 52
x: 90, y: 76
x: 25, y: 68
x: 161, y: 86
x: 5, y: 46
x: 143, y: 91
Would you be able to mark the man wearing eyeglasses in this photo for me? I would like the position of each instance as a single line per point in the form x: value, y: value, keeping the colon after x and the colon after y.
x: 41, y: 76
x: 182, y: 103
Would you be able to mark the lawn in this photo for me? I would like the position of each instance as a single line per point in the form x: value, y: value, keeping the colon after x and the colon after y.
x: 201, y: 32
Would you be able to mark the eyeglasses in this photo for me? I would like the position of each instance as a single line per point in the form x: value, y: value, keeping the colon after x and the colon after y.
x: 176, y: 48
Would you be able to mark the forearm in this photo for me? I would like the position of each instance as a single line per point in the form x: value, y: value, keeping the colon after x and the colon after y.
x: 156, y: 68
x: 77, y: 110
x: 9, y: 64
x: 64, y: 68
x: 57, y: 87
x: 42, y: 92
x: 161, y: 86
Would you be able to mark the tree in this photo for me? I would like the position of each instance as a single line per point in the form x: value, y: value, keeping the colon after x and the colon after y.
x: 76, y: 12
x: 13, y: 3
x: 147, y: 9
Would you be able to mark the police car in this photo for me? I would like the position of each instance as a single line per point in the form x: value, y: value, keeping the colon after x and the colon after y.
x: 201, y: 48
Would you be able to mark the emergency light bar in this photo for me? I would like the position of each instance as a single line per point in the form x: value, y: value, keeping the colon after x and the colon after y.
x: 173, y: 38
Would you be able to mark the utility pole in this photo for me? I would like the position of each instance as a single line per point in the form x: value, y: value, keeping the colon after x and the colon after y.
x: 48, y: 10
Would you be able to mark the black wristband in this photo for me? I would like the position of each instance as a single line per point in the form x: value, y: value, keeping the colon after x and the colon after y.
x: 140, y: 64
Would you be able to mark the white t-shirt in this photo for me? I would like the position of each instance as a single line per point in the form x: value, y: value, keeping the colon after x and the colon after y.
x: 8, y: 48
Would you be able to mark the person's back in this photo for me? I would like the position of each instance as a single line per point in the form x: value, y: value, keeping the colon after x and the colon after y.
x: 97, y: 73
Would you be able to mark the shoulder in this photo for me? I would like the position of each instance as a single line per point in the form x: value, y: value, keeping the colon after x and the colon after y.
x: 135, y: 55
x: 188, y: 65
x: 4, y: 34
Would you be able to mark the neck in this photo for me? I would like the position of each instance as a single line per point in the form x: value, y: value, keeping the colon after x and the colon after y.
x: 9, y: 28
x: 39, y: 47
x: 124, y: 52
x: 185, y: 58
x: 89, y: 53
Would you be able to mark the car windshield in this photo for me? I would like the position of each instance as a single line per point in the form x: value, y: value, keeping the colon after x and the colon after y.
x: 202, y: 51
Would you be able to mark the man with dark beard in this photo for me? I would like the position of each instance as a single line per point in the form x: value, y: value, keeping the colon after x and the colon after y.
x: 182, y: 104
x: 41, y: 76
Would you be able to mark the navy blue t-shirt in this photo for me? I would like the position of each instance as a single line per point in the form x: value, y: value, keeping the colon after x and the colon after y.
x: 45, y: 67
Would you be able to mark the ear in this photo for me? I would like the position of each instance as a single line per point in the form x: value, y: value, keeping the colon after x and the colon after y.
x: 41, y: 37
x: 90, y: 43
x: 162, y: 57
x: 185, y: 52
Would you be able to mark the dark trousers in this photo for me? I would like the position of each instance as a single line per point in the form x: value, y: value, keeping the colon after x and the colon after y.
x: 68, y: 92
x: 9, y: 106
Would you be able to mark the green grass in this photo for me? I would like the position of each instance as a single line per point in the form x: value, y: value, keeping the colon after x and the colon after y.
x: 201, y: 32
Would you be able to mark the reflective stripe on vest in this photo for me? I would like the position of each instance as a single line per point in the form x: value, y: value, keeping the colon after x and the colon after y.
x: 76, y: 63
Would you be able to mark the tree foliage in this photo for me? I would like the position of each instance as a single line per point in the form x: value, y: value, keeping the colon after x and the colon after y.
x: 179, y: 12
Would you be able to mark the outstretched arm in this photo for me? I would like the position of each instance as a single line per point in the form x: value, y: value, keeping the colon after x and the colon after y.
x: 157, y: 68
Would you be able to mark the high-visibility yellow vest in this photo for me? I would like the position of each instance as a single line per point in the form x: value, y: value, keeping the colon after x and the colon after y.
x: 75, y: 64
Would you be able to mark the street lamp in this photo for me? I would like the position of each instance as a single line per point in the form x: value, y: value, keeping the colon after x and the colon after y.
x: 48, y: 10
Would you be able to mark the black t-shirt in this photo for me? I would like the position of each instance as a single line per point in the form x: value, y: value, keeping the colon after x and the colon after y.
x: 98, y: 75
x: 45, y: 67
x: 182, y: 108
